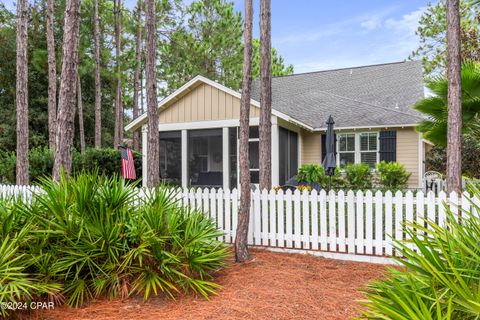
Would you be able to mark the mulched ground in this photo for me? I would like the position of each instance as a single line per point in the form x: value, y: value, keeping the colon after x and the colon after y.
x: 272, y: 286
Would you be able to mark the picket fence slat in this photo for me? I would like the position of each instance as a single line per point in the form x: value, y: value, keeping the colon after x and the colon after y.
x: 360, y: 229
x: 323, y: 220
x: 341, y: 221
x: 306, y: 219
x: 354, y: 223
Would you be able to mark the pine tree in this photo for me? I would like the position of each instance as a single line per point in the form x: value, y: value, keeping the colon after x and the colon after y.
x: 118, y: 134
x: 265, y: 126
x: 22, y: 94
x: 52, y: 75
x: 138, y: 70
x: 241, y: 248
x: 454, y: 125
x: 67, y: 94
x: 98, y: 85
x: 153, y: 158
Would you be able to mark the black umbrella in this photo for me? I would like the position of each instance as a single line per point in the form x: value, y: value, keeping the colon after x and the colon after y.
x: 329, y: 163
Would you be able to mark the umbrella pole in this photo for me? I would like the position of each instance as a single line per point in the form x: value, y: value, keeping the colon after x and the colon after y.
x: 330, y: 184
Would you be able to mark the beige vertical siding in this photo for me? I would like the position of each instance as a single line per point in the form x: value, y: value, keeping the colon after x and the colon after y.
x: 408, y: 153
x: 311, y: 147
x: 204, y: 103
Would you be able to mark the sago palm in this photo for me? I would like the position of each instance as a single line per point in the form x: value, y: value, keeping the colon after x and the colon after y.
x: 435, y: 108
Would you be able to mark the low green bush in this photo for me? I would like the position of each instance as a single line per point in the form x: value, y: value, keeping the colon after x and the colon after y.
x: 358, y: 176
x: 311, y: 173
x: 387, y: 176
x: 440, y: 280
x: 90, y: 236
x: 106, y: 160
x: 392, y: 176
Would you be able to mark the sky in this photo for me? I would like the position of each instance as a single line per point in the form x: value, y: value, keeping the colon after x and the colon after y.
x: 319, y: 34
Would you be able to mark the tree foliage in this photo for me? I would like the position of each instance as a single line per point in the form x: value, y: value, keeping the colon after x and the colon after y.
x: 204, y: 37
x: 432, y: 28
x: 434, y: 127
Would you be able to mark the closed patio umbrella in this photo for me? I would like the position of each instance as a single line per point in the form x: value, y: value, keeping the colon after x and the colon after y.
x: 329, y: 163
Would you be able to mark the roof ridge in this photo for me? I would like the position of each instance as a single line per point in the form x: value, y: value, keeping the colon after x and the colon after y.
x: 344, y: 68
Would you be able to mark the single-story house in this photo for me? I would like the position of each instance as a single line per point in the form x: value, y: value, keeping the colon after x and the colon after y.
x: 371, y: 107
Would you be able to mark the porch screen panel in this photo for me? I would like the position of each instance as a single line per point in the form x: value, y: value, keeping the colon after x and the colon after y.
x: 205, y: 158
x: 170, y: 157
x: 232, y: 156
x: 288, y: 154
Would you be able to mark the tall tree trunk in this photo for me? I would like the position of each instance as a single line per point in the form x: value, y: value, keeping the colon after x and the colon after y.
x: 142, y: 108
x: 118, y: 134
x: 138, y: 70
x: 153, y: 158
x: 81, y: 129
x: 22, y: 94
x: 98, y: 85
x: 454, y: 128
x: 52, y: 76
x: 265, y: 126
x: 67, y: 94
x: 241, y: 248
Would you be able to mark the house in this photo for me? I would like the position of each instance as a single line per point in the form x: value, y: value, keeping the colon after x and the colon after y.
x: 371, y: 106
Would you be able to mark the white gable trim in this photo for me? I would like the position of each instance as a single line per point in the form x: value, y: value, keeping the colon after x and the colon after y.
x: 138, y: 122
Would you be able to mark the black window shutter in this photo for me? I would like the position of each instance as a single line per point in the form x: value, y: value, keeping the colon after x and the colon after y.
x: 388, y: 146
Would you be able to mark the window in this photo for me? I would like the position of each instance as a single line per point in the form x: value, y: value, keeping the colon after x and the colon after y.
x: 357, y: 148
x: 346, y: 148
x: 368, y: 148
x: 205, y: 158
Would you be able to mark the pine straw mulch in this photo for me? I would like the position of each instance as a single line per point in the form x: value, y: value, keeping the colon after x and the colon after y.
x: 271, y: 286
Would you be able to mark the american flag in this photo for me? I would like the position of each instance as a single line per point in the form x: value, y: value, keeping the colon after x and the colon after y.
x: 128, y: 166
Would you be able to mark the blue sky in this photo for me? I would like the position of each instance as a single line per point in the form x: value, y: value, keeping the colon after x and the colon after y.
x: 318, y: 34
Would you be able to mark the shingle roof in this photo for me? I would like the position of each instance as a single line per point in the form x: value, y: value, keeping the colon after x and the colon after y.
x: 373, y: 95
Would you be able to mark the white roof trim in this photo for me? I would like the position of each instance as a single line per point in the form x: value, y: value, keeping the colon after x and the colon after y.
x: 371, y: 127
x: 141, y: 119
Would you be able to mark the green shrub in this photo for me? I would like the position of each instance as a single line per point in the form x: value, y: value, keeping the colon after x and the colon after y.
x: 106, y: 160
x: 90, y: 236
x: 18, y: 282
x: 358, y: 176
x: 440, y: 279
x: 392, y: 176
x: 311, y: 173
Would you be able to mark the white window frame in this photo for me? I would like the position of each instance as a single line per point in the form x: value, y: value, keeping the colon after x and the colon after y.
x: 357, y: 151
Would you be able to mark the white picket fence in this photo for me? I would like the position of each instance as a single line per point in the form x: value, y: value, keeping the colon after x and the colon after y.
x: 356, y: 226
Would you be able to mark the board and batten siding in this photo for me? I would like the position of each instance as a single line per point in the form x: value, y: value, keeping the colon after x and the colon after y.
x: 204, y: 103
